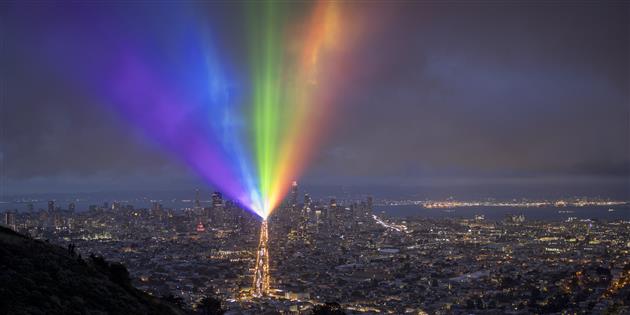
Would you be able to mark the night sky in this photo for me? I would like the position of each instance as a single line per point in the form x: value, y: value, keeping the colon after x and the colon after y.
x: 449, y: 97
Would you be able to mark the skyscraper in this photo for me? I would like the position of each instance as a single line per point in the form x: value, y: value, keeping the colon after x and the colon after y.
x: 200, y: 227
x: 9, y: 219
x: 294, y: 195
x: 217, y: 215
x: 198, y: 210
x: 156, y: 207
x: 217, y: 199
x: 306, y: 210
x: 332, y: 214
x: 307, y: 201
x: 197, y: 202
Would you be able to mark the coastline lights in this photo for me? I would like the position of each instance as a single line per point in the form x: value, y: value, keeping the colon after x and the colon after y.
x: 247, y: 128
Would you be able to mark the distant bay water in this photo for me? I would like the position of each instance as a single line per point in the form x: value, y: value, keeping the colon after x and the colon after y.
x: 621, y: 212
x: 608, y: 213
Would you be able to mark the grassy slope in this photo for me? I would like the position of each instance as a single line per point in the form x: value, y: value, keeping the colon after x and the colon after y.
x: 40, y: 278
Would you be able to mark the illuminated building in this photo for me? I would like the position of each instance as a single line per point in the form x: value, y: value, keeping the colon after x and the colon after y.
x: 217, y: 199
x: 217, y: 215
x: 333, y: 213
x: 9, y: 219
x: 307, y: 202
x: 261, y: 269
x: 294, y: 195
x: 197, y: 202
x: 156, y: 207
x: 200, y: 227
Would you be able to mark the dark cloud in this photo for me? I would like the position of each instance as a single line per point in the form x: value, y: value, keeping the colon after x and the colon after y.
x: 490, y: 91
x: 437, y: 91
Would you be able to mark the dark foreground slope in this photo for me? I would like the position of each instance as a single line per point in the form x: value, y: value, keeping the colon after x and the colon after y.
x: 39, y: 278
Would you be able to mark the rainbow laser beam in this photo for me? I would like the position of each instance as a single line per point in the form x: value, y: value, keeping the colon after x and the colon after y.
x: 286, y: 112
x: 248, y: 134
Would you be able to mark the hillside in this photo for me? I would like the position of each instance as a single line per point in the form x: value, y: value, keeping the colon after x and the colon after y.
x: 40, y: 278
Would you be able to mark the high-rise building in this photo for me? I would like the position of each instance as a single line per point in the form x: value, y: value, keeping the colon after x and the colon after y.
x: 307, y: 201
x: 115, y: 205
x: 71, y: 207
x: 333, y: 215
x: 9, y: 219
x: 51, y: 206
x: 217, y: 199
x: 217, y: 215
x: 197, y: 202
x: 306, y: 210
x: 200, y: 227
x: 44, y: 218
x: 57, y: 220
x: 198, y: 210
x: 155, y: 206
x: 294, y: 195
x: 318, y: 214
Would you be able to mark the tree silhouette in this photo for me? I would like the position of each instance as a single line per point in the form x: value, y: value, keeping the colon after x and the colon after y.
x: 210, y: 306
x: 175, y: 300
x: 119, y: 274
x: 330, y: 308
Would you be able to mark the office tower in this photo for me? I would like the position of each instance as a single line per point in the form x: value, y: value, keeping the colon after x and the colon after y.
x: 197, y: 202
x: 115, y: 205
x: 200, y: 227
x: 156, y: 207
x: 294, y: 195
x: 57, y: 220
x: 217, y: 215
x: 217, y: 199
x: 333, y: 215
x: 9, y: 219
x: 318, y: 214
x: 307, y: 201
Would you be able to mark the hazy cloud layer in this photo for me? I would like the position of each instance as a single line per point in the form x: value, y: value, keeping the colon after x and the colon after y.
x: 438, y: 91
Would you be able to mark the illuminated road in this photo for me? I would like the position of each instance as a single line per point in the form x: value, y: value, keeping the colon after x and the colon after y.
x: 391, y: 226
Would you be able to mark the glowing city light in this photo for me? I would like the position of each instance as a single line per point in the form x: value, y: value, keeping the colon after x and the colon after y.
x: 262, y: 277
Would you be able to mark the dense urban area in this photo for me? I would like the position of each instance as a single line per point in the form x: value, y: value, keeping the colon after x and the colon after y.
x: 345, y: 252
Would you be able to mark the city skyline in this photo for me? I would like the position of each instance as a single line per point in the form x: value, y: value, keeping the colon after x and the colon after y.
x: 351, y: 256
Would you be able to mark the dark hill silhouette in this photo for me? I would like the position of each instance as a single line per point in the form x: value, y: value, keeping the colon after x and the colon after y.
x: 39, y: 278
